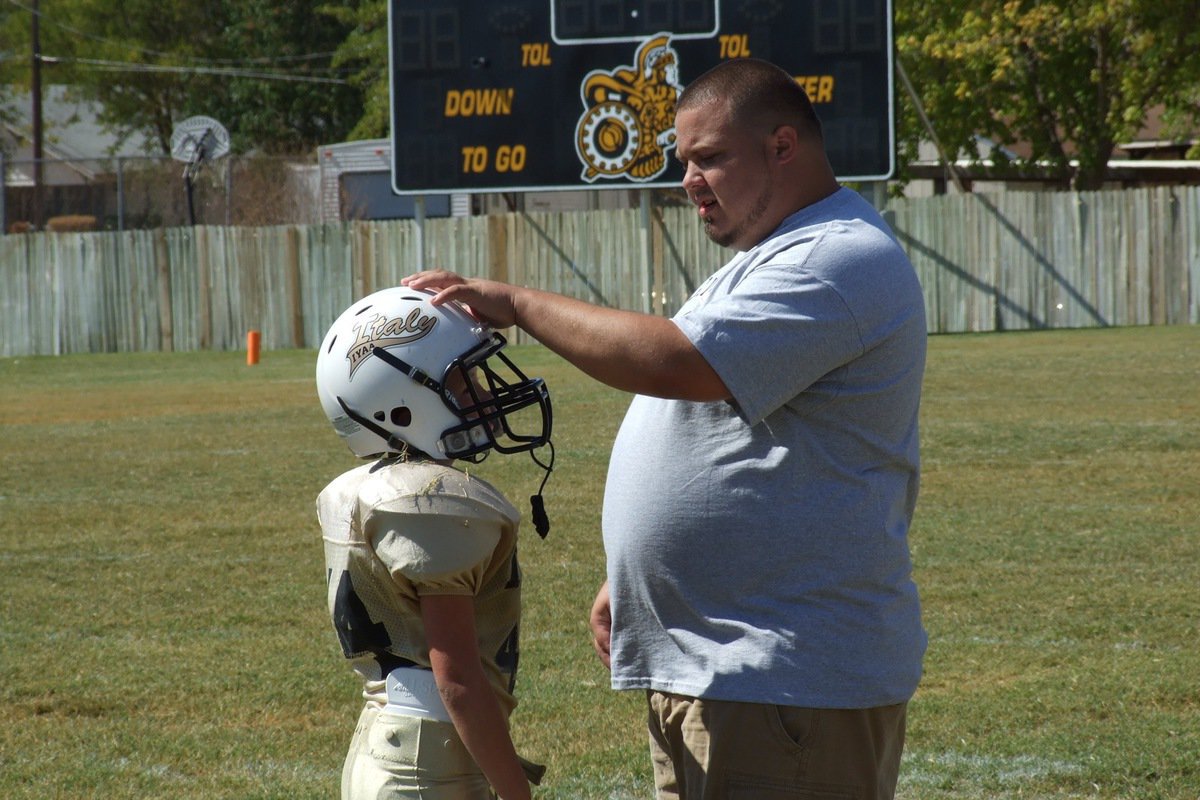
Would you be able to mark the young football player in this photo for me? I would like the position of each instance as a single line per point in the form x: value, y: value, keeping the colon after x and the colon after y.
x: 421, y: 557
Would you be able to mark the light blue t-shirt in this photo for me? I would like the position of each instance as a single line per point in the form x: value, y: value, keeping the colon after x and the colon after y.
x: 757, y: 549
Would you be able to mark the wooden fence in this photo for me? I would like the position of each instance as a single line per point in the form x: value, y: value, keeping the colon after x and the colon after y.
x: 987, y: 262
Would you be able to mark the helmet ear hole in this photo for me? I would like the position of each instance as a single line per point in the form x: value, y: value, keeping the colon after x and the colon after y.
x: 401, y: 416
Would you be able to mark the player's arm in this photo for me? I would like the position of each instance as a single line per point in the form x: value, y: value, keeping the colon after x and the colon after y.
x: 634, y: 352
x: 470, y: 700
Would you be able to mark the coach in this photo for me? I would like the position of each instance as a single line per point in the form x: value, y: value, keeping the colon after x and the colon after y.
x: 762, y: 484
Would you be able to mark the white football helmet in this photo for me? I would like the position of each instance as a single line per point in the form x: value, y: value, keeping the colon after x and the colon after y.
x: 396, y: 373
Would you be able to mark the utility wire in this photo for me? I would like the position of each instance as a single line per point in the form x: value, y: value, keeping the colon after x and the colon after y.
x: 162, y: 53
x: 128, y: 66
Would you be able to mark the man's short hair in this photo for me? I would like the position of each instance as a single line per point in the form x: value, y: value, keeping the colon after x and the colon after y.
x: 757, y: 94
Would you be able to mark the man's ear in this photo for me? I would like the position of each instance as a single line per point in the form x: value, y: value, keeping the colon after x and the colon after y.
x: 784, y: 143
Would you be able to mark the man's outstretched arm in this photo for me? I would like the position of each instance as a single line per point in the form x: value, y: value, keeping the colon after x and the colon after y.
x: 634, y: 352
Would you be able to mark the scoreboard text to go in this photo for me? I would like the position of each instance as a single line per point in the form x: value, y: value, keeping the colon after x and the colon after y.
x: 479, y: 158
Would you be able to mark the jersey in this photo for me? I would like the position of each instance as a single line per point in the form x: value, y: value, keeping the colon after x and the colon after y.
x: 757, y: 549
x: 394, y: 531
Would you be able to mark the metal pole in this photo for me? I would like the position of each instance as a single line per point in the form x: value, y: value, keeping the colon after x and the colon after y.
x: 647, y: 254
x: 120, y: 193
x: 3, y: 218
x: 419, y: 213
x: 912, y: 93
x: 876, y: 192
x: 187, y: 185
x: 36, y: 95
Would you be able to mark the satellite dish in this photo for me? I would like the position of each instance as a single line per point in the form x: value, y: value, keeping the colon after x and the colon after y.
x: 195, y: 141
x: 199, y: 139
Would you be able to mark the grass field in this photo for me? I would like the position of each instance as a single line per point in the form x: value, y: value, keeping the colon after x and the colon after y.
x: 162, y: 631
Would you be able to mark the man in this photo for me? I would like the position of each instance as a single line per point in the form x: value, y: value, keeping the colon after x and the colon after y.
x: 762, y: 484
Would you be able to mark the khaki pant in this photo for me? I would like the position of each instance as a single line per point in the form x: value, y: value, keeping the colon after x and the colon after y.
x: 395, y: 757
x: 717, y: 750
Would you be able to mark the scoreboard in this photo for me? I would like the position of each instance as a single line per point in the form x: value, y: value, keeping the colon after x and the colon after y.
x: 522, y: 95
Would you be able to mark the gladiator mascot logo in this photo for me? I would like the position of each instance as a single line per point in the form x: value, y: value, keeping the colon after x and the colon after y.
x: 628, y: 122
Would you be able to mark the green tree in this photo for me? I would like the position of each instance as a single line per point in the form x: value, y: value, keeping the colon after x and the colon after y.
x: 263, y: 69
x: 16, y: 57
x: 365, y: 52
x: 1071, y: 79
x: 138, y: 58
x: 286, y: 94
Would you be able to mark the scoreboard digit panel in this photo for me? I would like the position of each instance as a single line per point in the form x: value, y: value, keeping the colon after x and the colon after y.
x: 522, y: 95
x: 605, y: 21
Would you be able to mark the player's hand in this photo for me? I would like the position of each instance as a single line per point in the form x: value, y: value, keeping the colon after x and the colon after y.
x: 491, y: 302
x: 601, y: 622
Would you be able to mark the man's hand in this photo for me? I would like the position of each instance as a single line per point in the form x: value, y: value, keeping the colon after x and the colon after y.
x: 489, y: 301
x: 601, y: 622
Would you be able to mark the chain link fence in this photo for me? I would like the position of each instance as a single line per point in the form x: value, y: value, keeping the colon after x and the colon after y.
x: 131, y: 193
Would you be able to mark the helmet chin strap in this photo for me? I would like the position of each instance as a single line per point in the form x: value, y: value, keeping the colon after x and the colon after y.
x: 416, y: 373
x: 541, y: 522
x: 398, y: 445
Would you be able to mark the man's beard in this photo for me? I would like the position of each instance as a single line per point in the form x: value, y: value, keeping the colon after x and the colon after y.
x: 739, y: 230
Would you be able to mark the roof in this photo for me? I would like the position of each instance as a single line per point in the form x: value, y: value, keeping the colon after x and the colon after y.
x: 71, y: 132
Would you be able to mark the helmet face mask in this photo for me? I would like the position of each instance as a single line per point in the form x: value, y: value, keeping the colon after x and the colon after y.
x: 496, y: 416
x: 397, y: 374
